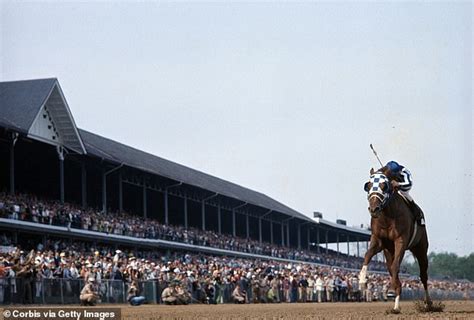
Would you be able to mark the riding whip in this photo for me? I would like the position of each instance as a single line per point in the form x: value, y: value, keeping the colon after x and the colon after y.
x: 375, y: 152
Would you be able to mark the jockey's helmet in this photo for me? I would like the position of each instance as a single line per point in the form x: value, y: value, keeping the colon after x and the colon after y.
x: 393, y: 166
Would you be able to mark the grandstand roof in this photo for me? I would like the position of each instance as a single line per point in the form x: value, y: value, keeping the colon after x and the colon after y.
x: 21, y: 102
x: 120, y: 153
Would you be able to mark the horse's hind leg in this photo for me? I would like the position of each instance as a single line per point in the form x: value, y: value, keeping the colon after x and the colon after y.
x: 420, y: 252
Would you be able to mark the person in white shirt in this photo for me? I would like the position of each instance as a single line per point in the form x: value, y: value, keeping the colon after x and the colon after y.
x: 319, y: 287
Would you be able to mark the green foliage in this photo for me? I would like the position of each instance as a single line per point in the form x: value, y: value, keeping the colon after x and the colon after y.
x: 446, y: 265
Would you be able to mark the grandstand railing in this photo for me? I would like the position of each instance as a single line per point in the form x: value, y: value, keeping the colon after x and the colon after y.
x: 67, y: 291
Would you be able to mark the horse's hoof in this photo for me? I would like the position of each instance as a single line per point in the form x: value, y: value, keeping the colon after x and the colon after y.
x: 393, y: 311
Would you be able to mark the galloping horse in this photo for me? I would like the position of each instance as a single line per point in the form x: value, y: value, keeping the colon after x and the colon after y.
x: 394, y: 230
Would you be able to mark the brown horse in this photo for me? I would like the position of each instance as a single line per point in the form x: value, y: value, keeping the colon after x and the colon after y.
x: 394, y: 231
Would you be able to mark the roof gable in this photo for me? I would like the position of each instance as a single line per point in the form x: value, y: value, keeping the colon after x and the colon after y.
x: 38, y: 108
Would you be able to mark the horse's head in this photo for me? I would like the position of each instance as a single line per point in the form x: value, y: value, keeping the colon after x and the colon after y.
x: 378, y: 190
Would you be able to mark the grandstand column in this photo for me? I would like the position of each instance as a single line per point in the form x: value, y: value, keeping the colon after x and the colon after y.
x: 347, y: 238
x: 260, y: 224
x: 233, y: 217
x: 287, y: 224
x: 203, y: 215
x: 282, y: 235
x: 317, y: 240
x: 271, y: 232
x: 14, y: 138
x: 104, y: 185
x: 337, y: 240
x: 299, y: 236
x: 308, y: 239
x: 219, y: 219
x: 83, y: 185
x: 104, y: 192
x: 358, y: 255
x: 233, y: 222
x: 327, y: 241
x: 165, y: 195
x: 60, y: 151
x: 144, y: 201
x: 288, y: 234
x: 186, y: 214
x: 247, y: 225
x: 120, y: 193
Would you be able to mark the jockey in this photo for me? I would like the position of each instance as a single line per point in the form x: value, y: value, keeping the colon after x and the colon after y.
x: 401, y: 180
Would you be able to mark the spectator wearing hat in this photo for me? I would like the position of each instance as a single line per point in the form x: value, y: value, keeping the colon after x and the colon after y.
x: 89, y: 296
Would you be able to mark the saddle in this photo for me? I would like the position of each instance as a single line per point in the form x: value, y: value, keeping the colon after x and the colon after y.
x: 419, y: 220
x: 415, y: 210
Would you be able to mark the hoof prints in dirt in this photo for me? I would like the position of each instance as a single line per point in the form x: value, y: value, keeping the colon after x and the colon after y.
x: 436, y: 306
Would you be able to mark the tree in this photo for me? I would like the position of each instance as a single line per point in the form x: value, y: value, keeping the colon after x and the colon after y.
x: 446, y: 265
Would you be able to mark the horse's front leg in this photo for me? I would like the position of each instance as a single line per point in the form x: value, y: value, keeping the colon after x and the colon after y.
x: 374, y: 248
x: 395, y: 268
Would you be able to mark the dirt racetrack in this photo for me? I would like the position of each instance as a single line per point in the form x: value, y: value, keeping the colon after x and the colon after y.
x: 375, y: 310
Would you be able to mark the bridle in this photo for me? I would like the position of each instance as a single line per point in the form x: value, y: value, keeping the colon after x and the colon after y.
x: 376, y: 191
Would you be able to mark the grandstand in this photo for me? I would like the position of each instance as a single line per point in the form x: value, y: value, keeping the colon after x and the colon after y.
x: 50, y: 157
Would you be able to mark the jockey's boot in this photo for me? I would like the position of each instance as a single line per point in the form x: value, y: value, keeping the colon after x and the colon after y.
x: 418, y: 213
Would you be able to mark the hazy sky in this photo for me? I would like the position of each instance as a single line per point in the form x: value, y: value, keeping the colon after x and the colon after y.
x: 282, y: 98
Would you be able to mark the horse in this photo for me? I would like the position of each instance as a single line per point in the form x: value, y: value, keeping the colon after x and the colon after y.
x: 394, y: 230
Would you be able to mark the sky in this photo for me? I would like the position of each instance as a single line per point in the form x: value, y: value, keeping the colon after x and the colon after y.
x: 282, y: 98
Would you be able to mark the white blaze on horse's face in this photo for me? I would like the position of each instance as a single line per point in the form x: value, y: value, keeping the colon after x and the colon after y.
x: 378, y: 192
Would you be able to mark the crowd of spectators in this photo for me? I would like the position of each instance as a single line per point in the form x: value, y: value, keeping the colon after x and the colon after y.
x: 203, y: 278
x: 29, y: 208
